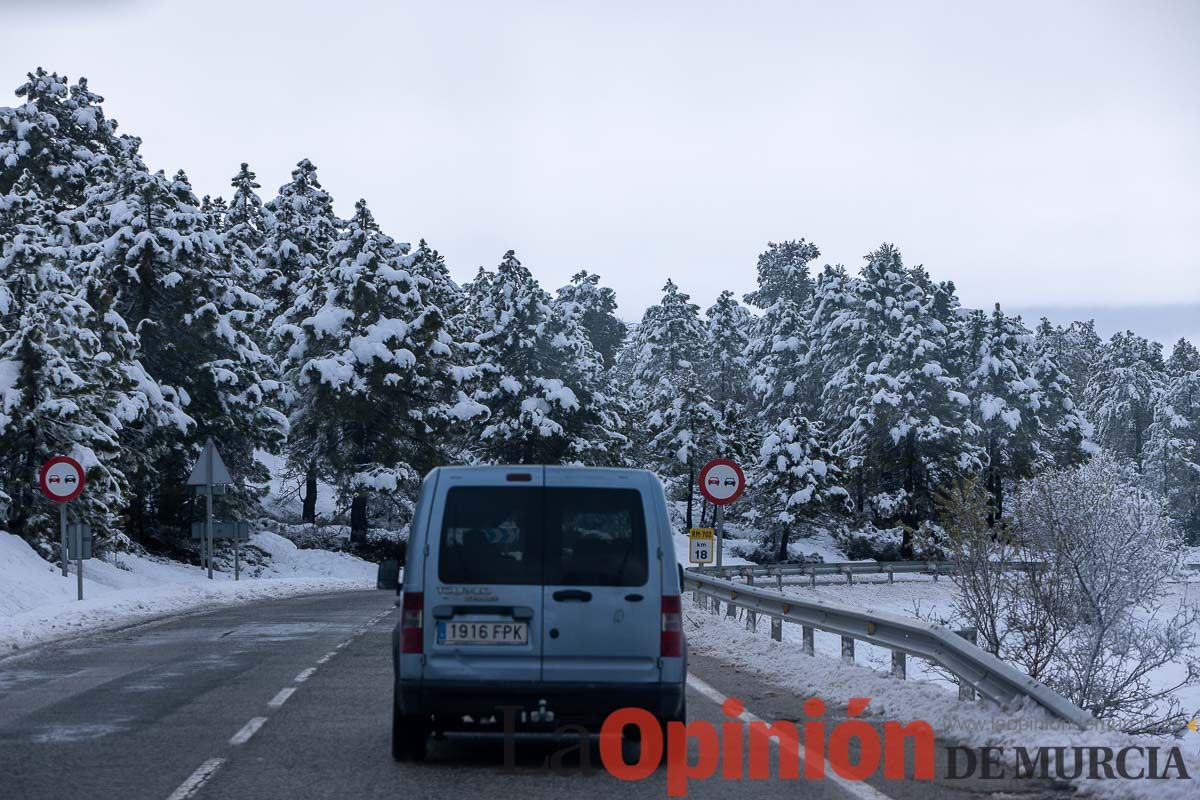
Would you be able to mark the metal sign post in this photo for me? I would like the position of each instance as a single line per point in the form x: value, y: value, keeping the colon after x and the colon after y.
x: 721, y: 482
x: 720, y: 534
x: 209, y: 474
x: 61, y: 480
x: 62, y: 527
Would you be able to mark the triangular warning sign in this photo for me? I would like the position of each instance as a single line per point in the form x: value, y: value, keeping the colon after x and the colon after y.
x: 210, y: 469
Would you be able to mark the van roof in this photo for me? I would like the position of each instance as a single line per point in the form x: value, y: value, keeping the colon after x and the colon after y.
x: 615, y: 472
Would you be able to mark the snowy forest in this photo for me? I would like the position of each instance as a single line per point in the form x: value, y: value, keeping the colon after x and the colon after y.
x: 137, y: 320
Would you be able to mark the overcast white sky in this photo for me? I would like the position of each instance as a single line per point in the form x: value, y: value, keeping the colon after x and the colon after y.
x: 1036, y: 153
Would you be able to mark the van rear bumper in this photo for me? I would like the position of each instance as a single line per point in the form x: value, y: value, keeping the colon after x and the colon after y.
x: 570, y: 702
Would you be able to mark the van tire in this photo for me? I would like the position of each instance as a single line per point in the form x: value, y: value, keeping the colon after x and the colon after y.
x: 664, y: 721
x: 410, y: 735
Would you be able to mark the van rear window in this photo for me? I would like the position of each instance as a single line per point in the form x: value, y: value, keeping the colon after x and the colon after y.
x: 559, y: 536
x: 491, y: 534
x: 595, y: 537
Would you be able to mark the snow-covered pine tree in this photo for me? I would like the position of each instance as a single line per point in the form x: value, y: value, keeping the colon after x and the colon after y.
x: 60, y: 136
x: 796, y: 477
x: 592, y: 305
x: 538, y: 375
x: 299, y: 229
x: 778, y: 350
x: 833, y: 336
x: 910, y: 431
x: 1076, y: 349
x: 56, y: 381
x: 1185, y: 358
x: 368, y: 362
x: 1024, y: 426
x: 724, y: 372
x: 1173, y: 451
x: 678, y: 422
x: 165, y: 270
x: 1123, y: 392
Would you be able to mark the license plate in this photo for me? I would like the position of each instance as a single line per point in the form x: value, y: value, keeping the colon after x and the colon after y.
x: 483, y: 633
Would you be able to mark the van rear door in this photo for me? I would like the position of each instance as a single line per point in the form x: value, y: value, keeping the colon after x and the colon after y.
x: 601, y: 603
x: 483, y: 596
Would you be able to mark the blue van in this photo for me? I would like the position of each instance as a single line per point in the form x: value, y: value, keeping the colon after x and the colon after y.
x: 547, y: 594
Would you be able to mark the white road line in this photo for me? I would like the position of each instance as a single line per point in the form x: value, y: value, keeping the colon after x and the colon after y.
x: 859, y: 789
x: 248, y: 730
x: 197, y: 779
x: 327, y: 656
x: 305, y: 675
x: 281, y: 698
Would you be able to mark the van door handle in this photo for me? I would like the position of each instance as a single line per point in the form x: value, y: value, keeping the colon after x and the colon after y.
x: 634, y: 598
x: 573, y: 594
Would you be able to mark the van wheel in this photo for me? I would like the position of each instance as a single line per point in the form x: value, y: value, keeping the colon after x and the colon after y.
x: 664, y: 721
x: 410, y: 735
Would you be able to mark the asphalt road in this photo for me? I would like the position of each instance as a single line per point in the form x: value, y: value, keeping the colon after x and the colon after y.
x: 291, y: 699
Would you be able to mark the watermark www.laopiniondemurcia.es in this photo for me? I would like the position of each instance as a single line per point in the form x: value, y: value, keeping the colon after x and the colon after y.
x: 854, y: 749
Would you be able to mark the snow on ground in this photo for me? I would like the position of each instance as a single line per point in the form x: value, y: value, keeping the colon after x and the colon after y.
x: 38, y: 605
x: 784, y: 665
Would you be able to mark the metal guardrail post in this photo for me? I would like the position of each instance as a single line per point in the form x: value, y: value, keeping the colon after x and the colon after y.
x: 730, y: 609
x: 934, y: 566
x: 809, y: 647
x: 891, y: 575
x: 812, y: 577
x: 899, y: 664
x: 751, y: 617
x: 849, y: 575
x: 777, y: 628
x: 965, y: 690
x: 847, y: 650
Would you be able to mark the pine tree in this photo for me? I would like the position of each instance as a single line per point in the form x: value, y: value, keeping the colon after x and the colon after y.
x: 56, y: 381
x: 299, y: 231
x: 680, y: 424
x: 796, y: 478
x: 833, y: 334
x: 1123, y: 392
x: 1077, y: 349
x: 539, y: 376
x: 368, y: 361
x: 167, y: 273
x: 1024, y: 425
x: 909, y: 431
x: 778, y: 351
x: 60, y: 136
x: 725, y: 372
x: 1185, y: 358
x: 1173, y: 451
x: 592, y: 305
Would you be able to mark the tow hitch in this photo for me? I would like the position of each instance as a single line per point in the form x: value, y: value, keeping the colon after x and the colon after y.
x: 540, y: 714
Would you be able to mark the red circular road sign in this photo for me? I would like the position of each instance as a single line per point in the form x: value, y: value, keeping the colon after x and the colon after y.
x: 61, y: 479
x: 722, y: 481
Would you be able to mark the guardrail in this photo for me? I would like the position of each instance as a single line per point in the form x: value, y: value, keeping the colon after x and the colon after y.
x: 975, y: 669
x: 793, y: 574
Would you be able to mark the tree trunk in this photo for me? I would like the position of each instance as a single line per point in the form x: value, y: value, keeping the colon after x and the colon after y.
x: 691, y: 491
x: 784, y: 535
x: 358, y: 519
x: 310, y: 494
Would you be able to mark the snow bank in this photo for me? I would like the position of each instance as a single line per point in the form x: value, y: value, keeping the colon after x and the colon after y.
x: 38, y: 605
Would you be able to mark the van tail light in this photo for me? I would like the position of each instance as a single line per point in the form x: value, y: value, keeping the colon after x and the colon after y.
x: 411, y: 639
x: 672, y: 627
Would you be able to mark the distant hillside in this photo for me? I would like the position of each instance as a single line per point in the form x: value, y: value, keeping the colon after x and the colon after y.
x: 1162, y: 323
